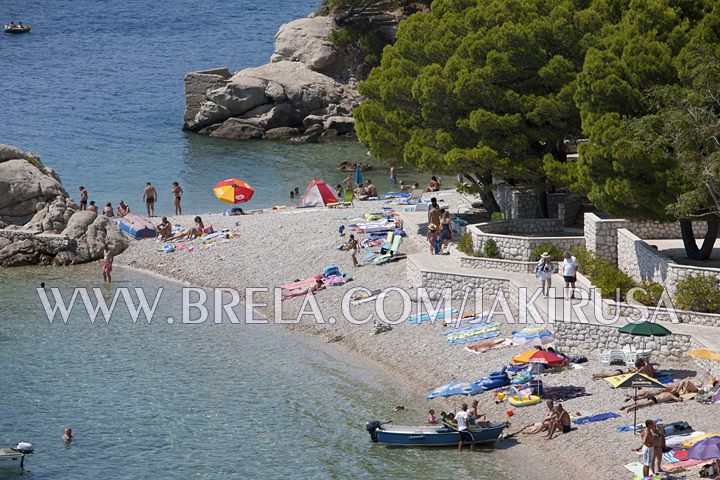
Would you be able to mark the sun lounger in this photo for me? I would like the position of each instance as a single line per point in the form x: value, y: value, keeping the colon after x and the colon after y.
x: 348, y: 197
x: 393, y: 251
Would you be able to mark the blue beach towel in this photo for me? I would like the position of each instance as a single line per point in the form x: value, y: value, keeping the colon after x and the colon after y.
x: 474, y: 339
x: 668, y: 457
x: 426, y: 317
x: 466, y: 327
x: 595, y: 418
x: 629, y: 428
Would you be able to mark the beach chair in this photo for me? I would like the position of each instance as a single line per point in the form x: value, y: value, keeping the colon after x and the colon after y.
x: 631, y: 354
x: 415, y: 195
x: 609, y: 356
x: 392, y: 254
x: 348, y: 197
x: 368, y: 257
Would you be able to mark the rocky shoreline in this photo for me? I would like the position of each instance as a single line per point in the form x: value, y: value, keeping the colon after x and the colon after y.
x: 40, y: 224
x: 307, y: 91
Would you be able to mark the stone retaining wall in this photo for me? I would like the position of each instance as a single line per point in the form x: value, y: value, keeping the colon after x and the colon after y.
x: 590, y: 340
x: 482, y: 263
x: 515, y: 227
x: 642, y: 262
x: 514, y: 247
x: 601, y: 234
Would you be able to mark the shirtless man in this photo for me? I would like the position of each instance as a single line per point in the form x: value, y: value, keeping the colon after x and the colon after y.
x: 434, y: 213
x: 177, y: 195
x: 150, y: 196
x: 122, y: 209
x: 650, y: 438
x: 83, y: 198
x: 561, y: 421
x: 662, y: 397
x: 370, y: 189
x: 108, y: 210
x: 67, y: 435
x: 475, y: 416
x: 545, y: 424
x: 92, y: 207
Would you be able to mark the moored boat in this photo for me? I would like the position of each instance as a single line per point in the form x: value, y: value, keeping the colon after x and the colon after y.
x: 137, y: 226
x: 16, y: 28
x: 15, y: 456
x: 429, y: 435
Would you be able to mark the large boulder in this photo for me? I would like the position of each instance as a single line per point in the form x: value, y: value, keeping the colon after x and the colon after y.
x: 307, y: 40
x: 342, y: 125
x: 24, y: 181
x: 236, y: 129
x: 242, y: 93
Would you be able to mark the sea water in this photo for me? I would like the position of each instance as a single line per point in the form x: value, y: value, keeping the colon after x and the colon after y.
x: 202, y: 401
x: 96, y: 89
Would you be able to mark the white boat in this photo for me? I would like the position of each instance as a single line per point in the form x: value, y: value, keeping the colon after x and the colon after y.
x: 11, y: 456
x: 16, y: 28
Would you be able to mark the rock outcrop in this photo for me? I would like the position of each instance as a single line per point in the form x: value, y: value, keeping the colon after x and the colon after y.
x: 39, y: 223
x: 308, y: 82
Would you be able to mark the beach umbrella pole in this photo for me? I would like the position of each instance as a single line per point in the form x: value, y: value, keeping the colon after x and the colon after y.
x: 635, y: 414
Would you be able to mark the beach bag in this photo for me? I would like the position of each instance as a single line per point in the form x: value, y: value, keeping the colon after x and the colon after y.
x: 331, y: 271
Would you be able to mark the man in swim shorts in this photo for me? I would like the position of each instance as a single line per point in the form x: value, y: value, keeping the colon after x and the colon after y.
x: 150, y: 195
x: 462, y: 418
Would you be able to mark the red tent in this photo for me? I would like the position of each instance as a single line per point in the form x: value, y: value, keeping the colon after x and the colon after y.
x: 318, y: 194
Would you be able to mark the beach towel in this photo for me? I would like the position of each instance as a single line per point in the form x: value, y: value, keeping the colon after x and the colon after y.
x: 600, y: 417
x: 474, y: 339
x: 681, y: 455
x: 484, y: 347
x: 299, y: 287
x: 637, y: 426
x: 474, y: 332
x: 464, y: 328
x: 426, y: 317
x: 668, y: 457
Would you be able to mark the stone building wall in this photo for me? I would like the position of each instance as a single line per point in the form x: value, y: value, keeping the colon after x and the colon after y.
x: 514, y: 247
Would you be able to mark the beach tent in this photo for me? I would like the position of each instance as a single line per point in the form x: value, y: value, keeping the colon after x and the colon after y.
x: 318, y: 194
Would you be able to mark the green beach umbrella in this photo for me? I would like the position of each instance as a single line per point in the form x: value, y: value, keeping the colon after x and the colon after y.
x: 645, y: 329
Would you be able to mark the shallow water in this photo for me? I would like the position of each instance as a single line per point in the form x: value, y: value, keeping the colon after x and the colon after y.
x: 96, y: 89
x: 193, y: 401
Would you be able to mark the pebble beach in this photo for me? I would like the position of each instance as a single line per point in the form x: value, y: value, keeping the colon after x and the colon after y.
x: 277, y: 247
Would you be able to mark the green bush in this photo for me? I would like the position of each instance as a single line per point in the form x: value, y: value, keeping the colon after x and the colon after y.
x: 497, y: 216
x: 651, y: 295
x: 490, y: 249
x: 699, y: 294
x: 465, y: 244
x: 604, y: 275
x: 554, y: 251
x: 343, y: 36
x: 586, y: 260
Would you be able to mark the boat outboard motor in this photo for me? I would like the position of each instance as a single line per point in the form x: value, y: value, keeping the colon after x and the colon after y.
x: 372, y: 428
x: 24, y: 447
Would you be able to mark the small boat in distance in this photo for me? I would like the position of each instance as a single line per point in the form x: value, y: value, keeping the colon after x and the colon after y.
x: 9, y: 455
x: 13, y: 27
x: 430, y: 435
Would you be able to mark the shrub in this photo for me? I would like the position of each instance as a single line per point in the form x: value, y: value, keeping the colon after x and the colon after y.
x: 465, y: 244
x: 490, y: 249
x: 343, y: 37
x: 603, y: 274
x: 699, y: 294
x: 553, y: 250
x: 651, y: 295
x: 497, y: 216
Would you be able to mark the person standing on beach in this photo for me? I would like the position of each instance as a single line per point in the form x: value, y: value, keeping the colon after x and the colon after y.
x: 352, y: 247
x: 107, y: 262
x: 83, y: 198
x: 462, y: 418
x: 544, y: 272
x: 649, y: 440
x: 393, y: 176
x: 570, y: 268
x: 348, y: 183
x: 177, y: 195
x: 434, y: 214
x: 149, y: 197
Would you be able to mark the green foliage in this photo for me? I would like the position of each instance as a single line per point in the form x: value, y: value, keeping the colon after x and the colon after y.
x: 490, y: 249
x: 650, y: 293
x: 699, y: 294
x: 465, y: 244
x: 604, y: 275
x: 647, y: 96
x: 481, y: 87
x: 497, y: 216
x: 343, y: 37
x: 553, y: 250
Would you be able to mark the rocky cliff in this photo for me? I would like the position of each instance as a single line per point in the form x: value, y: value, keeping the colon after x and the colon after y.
x: 40, y: 223
x: 308, y: 89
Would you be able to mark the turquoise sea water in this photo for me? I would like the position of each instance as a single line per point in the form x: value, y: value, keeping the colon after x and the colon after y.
x: 97, y: 90
x: 193, y: 401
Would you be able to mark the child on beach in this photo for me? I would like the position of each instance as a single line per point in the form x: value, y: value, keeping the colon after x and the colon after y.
x: 432, y: 237
x: 107, y: 262
x: 432, y: 419
x: 352, y: 247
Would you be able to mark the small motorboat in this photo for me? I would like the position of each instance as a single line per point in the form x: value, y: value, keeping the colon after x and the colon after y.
x: 10, y: 456
x: 137, y: 226
x: 17, y: 28
x: 430, y: 435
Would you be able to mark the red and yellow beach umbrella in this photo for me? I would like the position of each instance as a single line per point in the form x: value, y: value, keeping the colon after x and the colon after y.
x: 233, y: 190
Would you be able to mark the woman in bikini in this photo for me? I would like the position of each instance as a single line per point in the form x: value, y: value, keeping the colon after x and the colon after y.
x: 177, y: 195
x: 191, y: 232
x: 663, y: 397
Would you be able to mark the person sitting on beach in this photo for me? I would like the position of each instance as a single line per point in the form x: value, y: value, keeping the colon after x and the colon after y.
x: 108, y: 210
x: 662, y: 397
x: 92, y: 207
x: 191, y: 232
x: 122, y: 209
x: 370, y: 189
x: 404, y: 187
x: 319, y: 285
x: 545, y: 424
x: 164, y: 229
x: 67, y: 435
x: 560, y: 421
x: 432, y: 419
x: 434, y: 185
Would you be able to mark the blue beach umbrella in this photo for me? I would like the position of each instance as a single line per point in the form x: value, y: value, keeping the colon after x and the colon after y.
x: 358, y: 176
x: 455, y: 388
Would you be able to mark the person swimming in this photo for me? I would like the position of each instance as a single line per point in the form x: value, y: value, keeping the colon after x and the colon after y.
x: 68, y: 435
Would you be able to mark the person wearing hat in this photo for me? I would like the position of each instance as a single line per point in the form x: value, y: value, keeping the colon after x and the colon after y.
x: 432, y: 237
x: 544, y: 271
